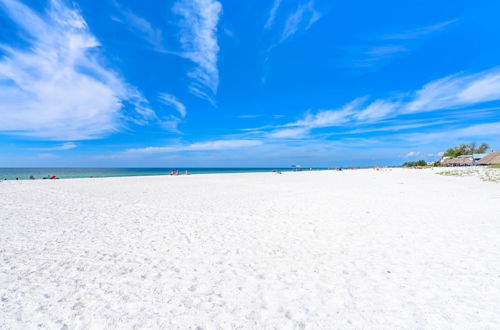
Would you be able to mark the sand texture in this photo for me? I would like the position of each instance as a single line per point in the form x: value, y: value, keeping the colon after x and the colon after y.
x: 363, y: 249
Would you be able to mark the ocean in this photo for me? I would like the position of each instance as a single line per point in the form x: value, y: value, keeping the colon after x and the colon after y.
x: 71, y: 173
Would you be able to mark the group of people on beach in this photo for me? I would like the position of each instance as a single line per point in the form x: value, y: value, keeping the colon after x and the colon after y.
x: 48, y: 177
x: 174, y: 172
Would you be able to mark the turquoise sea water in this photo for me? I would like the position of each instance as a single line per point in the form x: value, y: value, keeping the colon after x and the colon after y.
x: 68, y: 173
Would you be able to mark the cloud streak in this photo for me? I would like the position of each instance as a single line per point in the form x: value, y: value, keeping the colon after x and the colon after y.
x: 141, y: 27
x: 59, y: 147
x: 272, y: 14
x: 198, y: 146
x: 396, y: 44
x: 198, y: 37
x: 300, y: 20
x: 420, y: 32
x: 171, y: 101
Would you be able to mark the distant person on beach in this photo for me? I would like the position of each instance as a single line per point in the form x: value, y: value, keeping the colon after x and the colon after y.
x: 172, y: 173
x: 186, y: 172
x: 178, y: 172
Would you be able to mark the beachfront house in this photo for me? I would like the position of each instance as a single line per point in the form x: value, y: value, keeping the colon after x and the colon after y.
x: 464, y: 160
x: 478, y: 157
x: 493, y: 158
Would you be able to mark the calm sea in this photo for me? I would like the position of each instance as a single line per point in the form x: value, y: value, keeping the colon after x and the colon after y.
x: 68, y: 173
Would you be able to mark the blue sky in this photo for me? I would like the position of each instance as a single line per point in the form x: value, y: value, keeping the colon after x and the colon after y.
x: 245, y: 83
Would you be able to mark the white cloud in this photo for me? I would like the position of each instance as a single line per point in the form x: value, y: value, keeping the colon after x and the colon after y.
x: 199, y: 40
x: 328, y: 118
x: 199, y: 146
x: 413, y: 154
x: 457, y: 91
x: 57, y: 88
x: 272, y: 14
x: 377, y: 110
x: 171, y: 101
x: 302, y: 19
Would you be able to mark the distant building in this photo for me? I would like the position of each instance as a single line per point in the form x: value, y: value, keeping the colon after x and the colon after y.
x: 493, y: 158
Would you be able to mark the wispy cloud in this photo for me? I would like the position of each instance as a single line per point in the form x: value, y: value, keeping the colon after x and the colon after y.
x: 457, y: 91
x: 377, y: 110
x: 392, y: 45
x: 249, y: 116
x: 322, y: 118
x: 59, y: 147
x: 198, y: 146
x: 377, y: 54
x: 329, y: 118
x: 452, y: 92
x: 141, y: 27
x: 171, y: 101
x: 198, y: 36
x: 289, y: 133
x: 421, y: 31
x: 272, y: 14
x: 391, y: 127
x: 300, y: 20
x: 57, y: 88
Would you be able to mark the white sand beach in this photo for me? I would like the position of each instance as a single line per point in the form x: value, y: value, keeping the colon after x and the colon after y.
x: 360, y: 249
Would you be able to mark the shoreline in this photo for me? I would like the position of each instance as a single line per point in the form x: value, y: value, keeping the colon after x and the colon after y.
x: 136, y: 172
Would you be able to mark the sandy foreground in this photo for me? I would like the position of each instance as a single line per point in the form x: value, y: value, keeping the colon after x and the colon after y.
x: 391, y: 249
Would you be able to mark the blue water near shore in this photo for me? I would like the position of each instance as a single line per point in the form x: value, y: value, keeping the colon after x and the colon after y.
x: 70, y: 173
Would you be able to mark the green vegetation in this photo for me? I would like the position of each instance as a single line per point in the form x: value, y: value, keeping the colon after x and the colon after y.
x: 494, y: 166
x: 459, y: 173
x: 417, y: 163
x: 485, y: 174
x: 465, y: 149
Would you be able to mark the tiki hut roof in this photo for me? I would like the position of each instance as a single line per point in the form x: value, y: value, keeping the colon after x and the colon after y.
x: 465, y: 160
x: 493, y: 158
